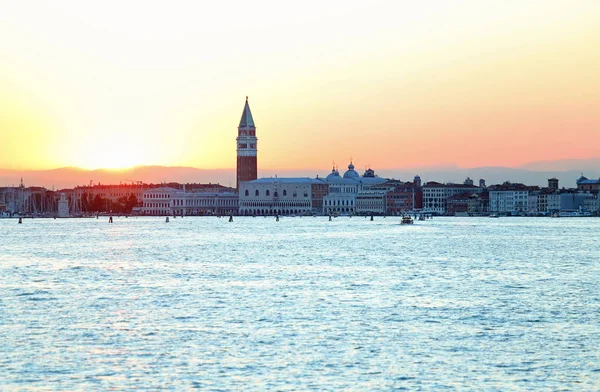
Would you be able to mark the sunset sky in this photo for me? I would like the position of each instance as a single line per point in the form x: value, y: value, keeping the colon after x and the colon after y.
x: 391, y: 83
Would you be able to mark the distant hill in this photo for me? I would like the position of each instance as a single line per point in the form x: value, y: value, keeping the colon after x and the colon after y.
x: 69, y: 177
x: 573, y: 165
x: 535, y: 173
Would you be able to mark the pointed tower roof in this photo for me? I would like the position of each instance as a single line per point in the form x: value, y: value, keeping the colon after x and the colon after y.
x: 246, y: 120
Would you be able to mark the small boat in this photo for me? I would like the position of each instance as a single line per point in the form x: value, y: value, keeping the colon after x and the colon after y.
x: 574, y: 214
x: 493, y: 216
x: 406, y: 220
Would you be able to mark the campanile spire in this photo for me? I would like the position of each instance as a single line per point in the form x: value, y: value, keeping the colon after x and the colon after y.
x: 246, y: 147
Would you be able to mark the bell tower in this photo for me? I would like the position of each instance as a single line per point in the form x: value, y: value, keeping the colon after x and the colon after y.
x: 246, y: 148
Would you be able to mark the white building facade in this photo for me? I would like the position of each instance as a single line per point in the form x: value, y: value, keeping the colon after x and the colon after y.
x: 533, y: 202
x: 277, y: 196
x: 170, y: 201
x: 157, y: 201
x: 511, y: 199
x: 553, y: 202
x: 353, y: 194
x: 63, y: 206
x: 371, y: 202
x: 435, y: 195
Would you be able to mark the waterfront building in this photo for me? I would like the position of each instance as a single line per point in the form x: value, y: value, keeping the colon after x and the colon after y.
x: 538, y: 201
x: 471, y: 204
x: 542, y: 200
x: 280, y: 196
x: 157, y: 201
x: 11, y: 197
x: 435, y: 194
x: 532, y: 202
x: 480, y: 203
x: 172, y: 201
x: 198, y: 203
x: 84, y: 196
x: 345, y: 191
x: 592, y: 203
x: 404, y: 197
x: 572, y: 200
x: 63, y: 206
x: 34, y: 201
x: 584, y: 184
x: 320, y: 189
x: 114, y: 196
x: 553, y: 202
x: 458, y: 204
x: 247, y: 151
x: 371, y: 202
x: 341, y: 197
x: 510, y: 198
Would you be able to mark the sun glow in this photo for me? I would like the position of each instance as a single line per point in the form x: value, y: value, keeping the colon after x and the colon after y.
x: 473, y: 83
x: 116, y: 156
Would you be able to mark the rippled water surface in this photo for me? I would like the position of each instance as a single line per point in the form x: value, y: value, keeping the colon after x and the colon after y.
x: 448, y: 303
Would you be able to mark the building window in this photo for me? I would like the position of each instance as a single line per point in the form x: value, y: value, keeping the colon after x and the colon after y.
x: 276, y: 194
x: 268, y: 193
x: 284, y: 192
x: 246, y: 193
x: 257, y: 193
x: 295, y: 194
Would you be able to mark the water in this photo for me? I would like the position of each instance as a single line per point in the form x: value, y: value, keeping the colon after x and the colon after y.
x: 449, y: 303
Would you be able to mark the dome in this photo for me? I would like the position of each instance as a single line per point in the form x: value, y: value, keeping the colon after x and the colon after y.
x: 333, y: 175
x: 351, y: 173
x: 369, y: 173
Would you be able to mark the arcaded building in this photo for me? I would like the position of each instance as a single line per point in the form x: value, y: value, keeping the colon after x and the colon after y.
x: 280, y: 196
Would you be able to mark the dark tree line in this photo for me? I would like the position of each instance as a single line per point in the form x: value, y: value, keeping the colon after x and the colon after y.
x: 123, y: 205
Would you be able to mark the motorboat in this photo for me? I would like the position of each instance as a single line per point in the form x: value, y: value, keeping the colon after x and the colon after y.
x: 407, y: 220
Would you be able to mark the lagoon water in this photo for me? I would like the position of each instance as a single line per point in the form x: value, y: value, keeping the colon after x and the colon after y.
x: 300, y: 304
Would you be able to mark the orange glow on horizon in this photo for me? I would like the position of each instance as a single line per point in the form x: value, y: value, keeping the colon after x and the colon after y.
x: 469, y: 84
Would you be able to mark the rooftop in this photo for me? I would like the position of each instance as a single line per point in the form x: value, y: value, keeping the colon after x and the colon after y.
x: 287, y: 180
x: 246, y: 121
x: 513, y: 187
x: 433, y: 184
x: 588, y: 182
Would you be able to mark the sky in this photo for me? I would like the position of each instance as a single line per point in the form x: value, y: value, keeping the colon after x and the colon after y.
x: 392, y: 84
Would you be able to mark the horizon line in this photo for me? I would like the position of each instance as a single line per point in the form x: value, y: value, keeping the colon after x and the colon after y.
x: 424, y: 167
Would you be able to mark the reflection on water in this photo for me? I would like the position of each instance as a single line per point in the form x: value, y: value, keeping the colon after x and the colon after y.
x: 300, y: 304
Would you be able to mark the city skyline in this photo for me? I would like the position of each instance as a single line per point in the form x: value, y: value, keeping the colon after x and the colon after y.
x: 473, y: 84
